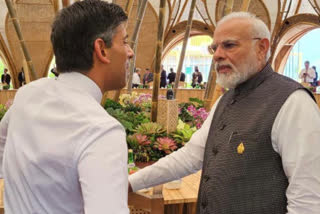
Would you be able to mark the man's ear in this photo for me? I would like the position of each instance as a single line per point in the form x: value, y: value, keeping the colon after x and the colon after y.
x: 264, y: 45
x: 100, y: 49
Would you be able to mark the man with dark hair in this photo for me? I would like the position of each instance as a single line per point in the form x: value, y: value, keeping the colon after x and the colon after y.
x: 6, y: 79
x: 21, y: 77
x: 259, y: 147
x: 171, y: 76
x: 182, y: 77
x: 70, y: 155
x: 163, y: 78
x: 147, y: 77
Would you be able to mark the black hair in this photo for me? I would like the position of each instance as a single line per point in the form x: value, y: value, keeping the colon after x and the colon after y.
x: 75, y: 29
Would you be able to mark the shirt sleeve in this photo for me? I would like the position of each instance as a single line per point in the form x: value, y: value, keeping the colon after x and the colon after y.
x: 296, y: 137
x: 103, y: 172
x: 183, y: 162
x: 312, y: 74
x: 3, y: 136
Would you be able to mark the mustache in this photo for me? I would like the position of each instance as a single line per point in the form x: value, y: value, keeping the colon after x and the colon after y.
x: 223, y: 65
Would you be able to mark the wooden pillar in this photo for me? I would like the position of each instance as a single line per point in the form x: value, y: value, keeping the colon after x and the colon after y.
x: 156, y: 76
x: 184, y: 47
x: 25, y: 51
x: 245, y: 5
x: 134, y: 40
x: 208, y: 96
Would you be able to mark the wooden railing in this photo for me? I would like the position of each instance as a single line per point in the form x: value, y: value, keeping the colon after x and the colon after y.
x: 183, y: 95
x: 6, y: 95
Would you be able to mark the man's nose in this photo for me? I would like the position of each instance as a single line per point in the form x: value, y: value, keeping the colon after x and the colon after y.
x: 130, y: 53
x: 219, y: 54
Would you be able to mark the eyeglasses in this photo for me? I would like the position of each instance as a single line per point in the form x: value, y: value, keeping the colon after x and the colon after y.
x: 227, y: 45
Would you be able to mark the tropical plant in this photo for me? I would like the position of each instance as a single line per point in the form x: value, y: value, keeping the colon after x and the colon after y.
x: 165, y: 144
x: 196, y: 102
x: 183, y: 133
x: 150, y: 129
x: 129, y: 120
x: 112, y: 104
x: 3, y: 110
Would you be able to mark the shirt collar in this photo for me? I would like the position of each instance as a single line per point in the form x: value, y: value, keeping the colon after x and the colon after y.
x: 81, y: 82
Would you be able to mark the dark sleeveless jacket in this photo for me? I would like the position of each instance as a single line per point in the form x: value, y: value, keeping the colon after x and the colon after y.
x: 242, y: 174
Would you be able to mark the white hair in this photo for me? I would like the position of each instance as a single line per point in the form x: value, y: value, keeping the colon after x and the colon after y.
x: 259, y: 28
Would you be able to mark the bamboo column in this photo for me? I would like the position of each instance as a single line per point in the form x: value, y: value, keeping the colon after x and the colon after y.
x: 134, y: 40
x: 184, y: 47
x: 142, y: 5
x: 211, y: 87
x: 25, y: 51
x: 128, y: 7
x: 156, y: 76
x: 65, y: 3
x: 228, y: 7
x: 245, y: 5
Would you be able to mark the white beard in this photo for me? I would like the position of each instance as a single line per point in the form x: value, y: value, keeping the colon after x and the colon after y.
x: 238, y: 75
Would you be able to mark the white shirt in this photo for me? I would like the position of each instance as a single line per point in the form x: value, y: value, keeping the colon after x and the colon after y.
x: 63, y: 153
x: 295, y: 136
x: 311, y: 74
x: 135, y: 78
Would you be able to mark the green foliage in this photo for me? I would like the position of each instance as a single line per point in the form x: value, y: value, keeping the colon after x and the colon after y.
x: 129, y: 120
x: 184, y: 114
x: 183, y: 133
x: 132, y: 108
x: 6, y: 87
x: 150, y: 129
x: 3, y: 110
x: 112, y: 104
x: 196, y: 102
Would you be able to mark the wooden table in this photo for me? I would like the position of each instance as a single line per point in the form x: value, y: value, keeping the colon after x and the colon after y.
x: 183, y: 200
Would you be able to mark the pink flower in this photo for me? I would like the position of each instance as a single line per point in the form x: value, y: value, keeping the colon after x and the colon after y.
x: 142, y: 139
x: 166, y: 144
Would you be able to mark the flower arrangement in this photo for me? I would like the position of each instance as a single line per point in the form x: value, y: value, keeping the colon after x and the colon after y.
x: 193, y: 112
x: 199, y: 115
x: 149, y: 141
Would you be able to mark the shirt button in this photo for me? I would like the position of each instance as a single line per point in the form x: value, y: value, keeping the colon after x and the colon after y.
x: 222, y: 127
x: 206, y: 178
x: 203, y: 203
x: 214, y: 150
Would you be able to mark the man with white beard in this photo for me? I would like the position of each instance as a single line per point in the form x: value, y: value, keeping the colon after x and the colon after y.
x: 259, y: 148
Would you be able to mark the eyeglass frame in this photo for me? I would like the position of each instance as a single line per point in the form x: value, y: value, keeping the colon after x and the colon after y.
x: 213, y: 49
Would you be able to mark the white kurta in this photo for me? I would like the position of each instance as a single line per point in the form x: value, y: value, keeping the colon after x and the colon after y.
x: 295, y: 136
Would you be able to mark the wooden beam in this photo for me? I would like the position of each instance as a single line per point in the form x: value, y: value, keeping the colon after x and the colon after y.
x: 245, y: 5
x: 211, y: 87
x: 228, y: 7
x: 25, y: 51
x: 184, y: 47
x: 156, y: 76
x: 65, y: 3
x: 134, y: 40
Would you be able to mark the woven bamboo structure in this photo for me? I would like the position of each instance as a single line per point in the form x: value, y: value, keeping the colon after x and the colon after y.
x: 288, y: 21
